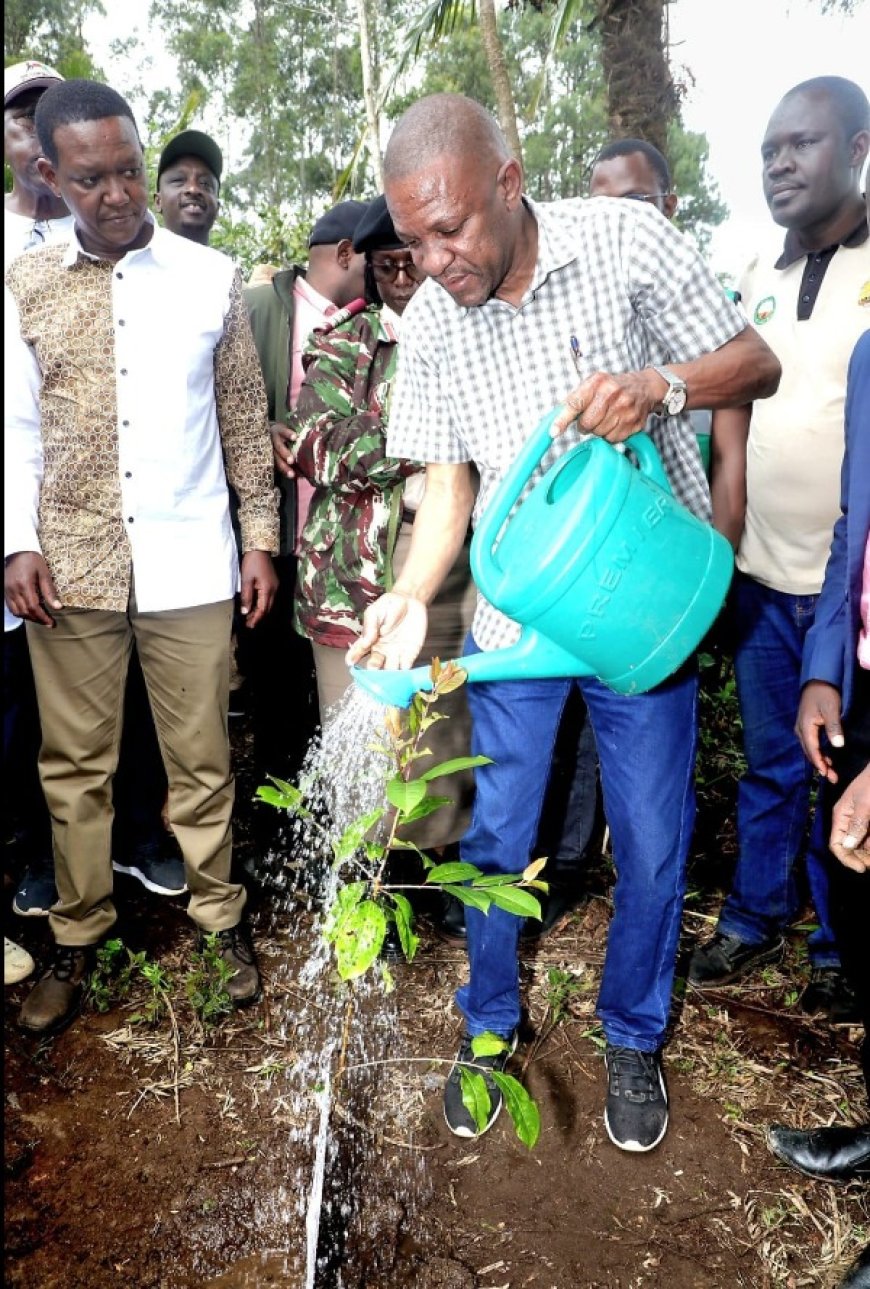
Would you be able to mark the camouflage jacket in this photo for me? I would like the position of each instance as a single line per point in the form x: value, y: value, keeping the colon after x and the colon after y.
x: 345, y: 558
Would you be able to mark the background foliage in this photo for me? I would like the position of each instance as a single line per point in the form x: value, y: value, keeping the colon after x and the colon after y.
x: 280, y: 85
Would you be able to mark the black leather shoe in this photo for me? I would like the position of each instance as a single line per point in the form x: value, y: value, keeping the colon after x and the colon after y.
x: 557, y: 905
x: 858, y: 1275
x: 725, y: 957
x: 825, y: 1154
x: 449, y: 922
x: 830, y: 994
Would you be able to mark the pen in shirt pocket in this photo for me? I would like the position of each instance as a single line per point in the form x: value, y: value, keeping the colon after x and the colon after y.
x: 576, y: 354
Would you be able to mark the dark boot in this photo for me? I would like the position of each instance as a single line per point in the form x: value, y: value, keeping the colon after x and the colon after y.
x: 235, y: 947
x: 56, y: 998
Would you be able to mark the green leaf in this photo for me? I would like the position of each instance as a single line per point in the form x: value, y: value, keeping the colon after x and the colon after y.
x: 468, y: 895
x: 353, y: 836
x: 475, y: 1096
x: 426, y: 807
x: 453, y: 872
x: 283, y: 796
x: 346, y: 900
x: 513, y: 900
x: 497, y: 879
x: 454, y: 765
x: 522, y: 1109
x: 488, y: 1044
x: 404, y: 795
x: 387, y: 978
x: 404, y: 919
x: 359, y: 938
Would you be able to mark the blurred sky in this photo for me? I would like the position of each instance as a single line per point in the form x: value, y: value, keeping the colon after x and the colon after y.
x: 737, y: 57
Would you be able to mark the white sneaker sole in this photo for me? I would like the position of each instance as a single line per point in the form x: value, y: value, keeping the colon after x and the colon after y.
x: 132, y: 871
x: 29, y: 913
x: 635, y: 1147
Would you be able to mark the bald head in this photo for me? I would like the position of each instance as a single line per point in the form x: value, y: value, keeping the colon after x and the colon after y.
x: 441, y: 125
x: 455, y: 195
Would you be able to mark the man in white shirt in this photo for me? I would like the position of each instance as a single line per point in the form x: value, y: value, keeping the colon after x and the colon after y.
x: 32, y: 216
x: 133, y: 396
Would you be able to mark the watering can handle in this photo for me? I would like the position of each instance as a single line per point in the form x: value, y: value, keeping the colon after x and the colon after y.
x: 520, y: 471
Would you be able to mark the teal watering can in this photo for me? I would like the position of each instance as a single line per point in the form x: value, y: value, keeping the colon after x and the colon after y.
x: 607, y: 573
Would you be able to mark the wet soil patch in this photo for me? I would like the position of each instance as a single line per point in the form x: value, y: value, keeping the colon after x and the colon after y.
x: 127, y: 1167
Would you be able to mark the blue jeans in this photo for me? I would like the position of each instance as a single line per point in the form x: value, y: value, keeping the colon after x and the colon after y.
x: 646, y: 748
x: 773, y: 802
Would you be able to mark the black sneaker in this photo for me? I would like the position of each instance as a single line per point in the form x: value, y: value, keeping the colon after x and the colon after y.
x: 35, y: 895
x: 157, y: 870
x: 457, y: 1117
x: 829, y: 994
x: 636, y: 1115
x: 725, y: 957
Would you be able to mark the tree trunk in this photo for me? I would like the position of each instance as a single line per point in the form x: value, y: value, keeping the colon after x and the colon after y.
x: 492, y: 47
x: 372, y: 114
x: 641, y: 95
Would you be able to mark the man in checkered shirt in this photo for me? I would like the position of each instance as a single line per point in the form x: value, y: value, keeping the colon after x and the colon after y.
x: 524, y: 299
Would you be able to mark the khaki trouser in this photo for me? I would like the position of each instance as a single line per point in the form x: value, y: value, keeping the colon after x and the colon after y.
x: 80, y: 670
x: 449, y: 621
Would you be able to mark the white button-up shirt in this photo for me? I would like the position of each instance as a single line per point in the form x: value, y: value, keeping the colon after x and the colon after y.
x: 133, y: 391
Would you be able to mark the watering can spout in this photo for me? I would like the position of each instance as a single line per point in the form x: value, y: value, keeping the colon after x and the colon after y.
x: 533, y: 657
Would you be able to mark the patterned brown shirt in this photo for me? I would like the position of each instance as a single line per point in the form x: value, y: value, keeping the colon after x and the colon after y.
x: 135, y: 393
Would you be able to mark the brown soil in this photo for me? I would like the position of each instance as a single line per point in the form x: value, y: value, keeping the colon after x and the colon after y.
x: 133, y: 1161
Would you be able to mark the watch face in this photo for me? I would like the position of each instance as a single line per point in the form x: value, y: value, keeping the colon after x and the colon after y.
x: 675, y: 401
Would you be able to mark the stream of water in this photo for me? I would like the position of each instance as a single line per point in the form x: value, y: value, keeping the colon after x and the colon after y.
x: 343, y: 778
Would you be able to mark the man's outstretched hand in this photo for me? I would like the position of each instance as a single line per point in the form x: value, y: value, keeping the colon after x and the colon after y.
x: 393, y: 631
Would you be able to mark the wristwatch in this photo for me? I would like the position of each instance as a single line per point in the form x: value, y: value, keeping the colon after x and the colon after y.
x: 675, y: 397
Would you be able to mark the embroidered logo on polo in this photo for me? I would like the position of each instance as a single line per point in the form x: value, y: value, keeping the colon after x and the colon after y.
x: 764, y: 310
x: 864, y: 295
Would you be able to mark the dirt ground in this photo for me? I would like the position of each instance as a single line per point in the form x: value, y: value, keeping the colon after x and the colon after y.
x: 177, y: 1156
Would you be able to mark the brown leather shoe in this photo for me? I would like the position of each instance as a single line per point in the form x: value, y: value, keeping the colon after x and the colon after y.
x: 234, y: 946
x: 56, y: 998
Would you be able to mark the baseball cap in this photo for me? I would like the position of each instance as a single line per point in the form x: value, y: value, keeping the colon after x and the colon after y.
x: 375, y: 229
x: 338, y: 223
x: 27, y: 76
x: 192, y: 143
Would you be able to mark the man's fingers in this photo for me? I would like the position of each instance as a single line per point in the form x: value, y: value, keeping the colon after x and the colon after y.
x: 856, y: 834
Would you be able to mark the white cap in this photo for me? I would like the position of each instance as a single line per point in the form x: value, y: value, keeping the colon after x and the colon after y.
x: 27, y: 76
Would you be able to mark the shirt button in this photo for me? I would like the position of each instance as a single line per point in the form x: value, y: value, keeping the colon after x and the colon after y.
x: 119, y: 275
x: 128, y: 474
x: 123, y: 371
x: 120, y: 322
x: 806, y: 299
x: 811, y: 278
x: 130, y: 519
x: 125, y: 423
